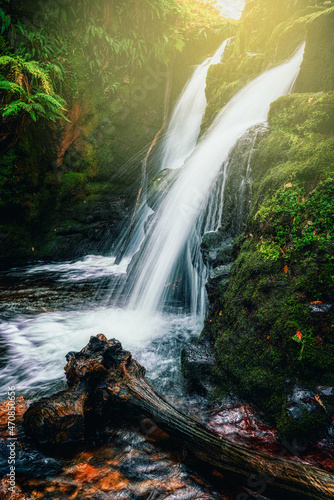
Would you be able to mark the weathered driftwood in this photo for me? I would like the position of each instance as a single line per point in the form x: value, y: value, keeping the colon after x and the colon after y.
x: 110, y: 377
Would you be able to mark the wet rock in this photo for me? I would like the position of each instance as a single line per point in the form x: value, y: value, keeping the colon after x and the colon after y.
x: 216, y: 248
x: 58, y: 419
x: 320, y: 308
x: 29, y: 462
x: 240, y: 423
x: 17, y: 494
x: 20, y: 409
x: 300, y: 401
x: 160, y: 186
x: 310, y: 409
x: 198, y: 361
x: 140, y: 468
x: 325, y: 390
x: 220, y: 272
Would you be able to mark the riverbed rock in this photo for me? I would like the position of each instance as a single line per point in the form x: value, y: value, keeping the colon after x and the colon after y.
x: 198, y: 361
x: 216, y: 248
x: 302, y: 400
x: 309, y: 408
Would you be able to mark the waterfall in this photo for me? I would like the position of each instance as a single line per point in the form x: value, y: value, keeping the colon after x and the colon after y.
x: 185, y: 123
x: 175, y: 219
x: 167, y: 273
x: 179, y: 142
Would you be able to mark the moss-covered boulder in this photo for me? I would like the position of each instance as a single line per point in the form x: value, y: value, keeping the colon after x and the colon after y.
x: 274, y: 322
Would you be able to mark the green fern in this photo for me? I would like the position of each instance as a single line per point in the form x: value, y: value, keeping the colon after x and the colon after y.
x: 28, y: 91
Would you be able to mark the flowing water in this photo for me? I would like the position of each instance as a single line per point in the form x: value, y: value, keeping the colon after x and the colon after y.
x: 232, y: 8
x: 172, y: 229
x: 49, y: 310
x: 185, y: 123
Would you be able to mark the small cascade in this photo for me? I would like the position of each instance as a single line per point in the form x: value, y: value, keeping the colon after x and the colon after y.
x: 168, y: 245
x: 185, y: 124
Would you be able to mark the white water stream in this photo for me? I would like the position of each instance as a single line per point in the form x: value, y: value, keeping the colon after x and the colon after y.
x: 36, y: 344
x: 185, y: 124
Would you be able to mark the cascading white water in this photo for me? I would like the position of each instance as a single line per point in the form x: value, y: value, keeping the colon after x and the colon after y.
x: 185, y: 124
x: 232, y: 8
x: 179, y: 142
x: 36, y: 343
x: 177, y: 215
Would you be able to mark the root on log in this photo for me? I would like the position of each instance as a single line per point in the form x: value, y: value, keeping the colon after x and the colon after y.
x: 103, y: 376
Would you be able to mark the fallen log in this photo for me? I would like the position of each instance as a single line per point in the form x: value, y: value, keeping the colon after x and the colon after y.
x: 111, y: 378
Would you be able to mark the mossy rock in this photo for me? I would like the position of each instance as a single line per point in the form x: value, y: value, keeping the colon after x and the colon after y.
x: 273, y: 321
x: 317, y: 70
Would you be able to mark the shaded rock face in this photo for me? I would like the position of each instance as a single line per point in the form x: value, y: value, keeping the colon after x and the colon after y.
x: 217, y: 252
x: 308, y: 410
x: 302, y: 400
x: 159, y: 186
x: 317, y: 70
x: 217, y: 245
x: 269, y: 297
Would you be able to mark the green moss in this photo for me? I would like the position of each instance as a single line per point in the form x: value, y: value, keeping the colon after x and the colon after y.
x: 284, y: 263
x: 317, y: 70
x: 311, y: 426
x: 73, y: 185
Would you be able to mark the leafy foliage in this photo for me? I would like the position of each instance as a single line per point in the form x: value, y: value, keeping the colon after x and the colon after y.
x: 295, y: 221
x: 120, y: 37
x: 26, y: 93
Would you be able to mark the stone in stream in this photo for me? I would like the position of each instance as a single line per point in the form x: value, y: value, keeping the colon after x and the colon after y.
x: 197, y: 362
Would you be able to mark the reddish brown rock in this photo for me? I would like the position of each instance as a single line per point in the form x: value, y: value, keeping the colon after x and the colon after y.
x: 58, y: 419
x: 20, y: 409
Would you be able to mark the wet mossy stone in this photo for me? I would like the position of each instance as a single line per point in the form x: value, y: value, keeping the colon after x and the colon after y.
x: 216, y: 248
x: 160, y: 186
x: 197, y: 362
x: 307, y: 413
x: 268, y: 297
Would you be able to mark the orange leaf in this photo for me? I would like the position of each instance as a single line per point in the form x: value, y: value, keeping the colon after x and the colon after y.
x: 299, y: 334
x: 286, y: 269
x: 315, y: 302
x: 220, y: 313
x: 85, y: 473
x: 288, y: 185
x: 317, y: 398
